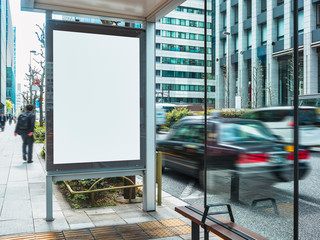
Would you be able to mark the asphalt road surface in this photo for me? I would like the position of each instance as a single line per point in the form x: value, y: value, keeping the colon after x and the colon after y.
x: 263, y: 218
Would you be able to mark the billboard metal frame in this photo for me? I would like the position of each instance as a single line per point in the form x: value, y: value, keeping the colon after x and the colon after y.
x: 146, y: 165
x: 93, y: 29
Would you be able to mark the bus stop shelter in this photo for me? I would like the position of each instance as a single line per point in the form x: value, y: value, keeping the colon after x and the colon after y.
x: 135, y: 153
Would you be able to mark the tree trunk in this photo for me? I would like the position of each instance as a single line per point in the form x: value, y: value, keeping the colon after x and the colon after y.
x: 40, y: 106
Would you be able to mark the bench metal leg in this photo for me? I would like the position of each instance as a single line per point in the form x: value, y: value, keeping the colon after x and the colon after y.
x: 195, y: 231
x: 206, y: 235
x: 234, y: 194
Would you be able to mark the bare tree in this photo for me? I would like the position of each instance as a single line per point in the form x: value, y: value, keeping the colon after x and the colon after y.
x: 226, y: 87
x: 256, y: 83
x: 41, y: 38
x: 30, y: 77
x: 289, y: 78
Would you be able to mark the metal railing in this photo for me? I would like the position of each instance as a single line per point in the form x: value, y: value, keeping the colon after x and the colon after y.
x: 93, y: 191
x: 133, y: 185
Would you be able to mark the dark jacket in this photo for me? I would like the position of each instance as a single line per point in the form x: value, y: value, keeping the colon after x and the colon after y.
x: 31, y: 118
x: 3, y: 120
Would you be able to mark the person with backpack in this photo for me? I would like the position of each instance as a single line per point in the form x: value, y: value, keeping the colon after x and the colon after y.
x: 3, y: 120
x: 25, y: 128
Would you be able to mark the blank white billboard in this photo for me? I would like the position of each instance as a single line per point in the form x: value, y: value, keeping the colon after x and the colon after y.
x: 96, y: 98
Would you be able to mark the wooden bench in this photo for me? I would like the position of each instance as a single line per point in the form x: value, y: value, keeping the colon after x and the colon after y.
x: 220, y: 226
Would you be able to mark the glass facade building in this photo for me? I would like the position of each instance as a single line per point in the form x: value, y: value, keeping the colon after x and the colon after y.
x: 180, y: 54
x: 10, y: 63
x: 3, y: 57
x: 261, y: 32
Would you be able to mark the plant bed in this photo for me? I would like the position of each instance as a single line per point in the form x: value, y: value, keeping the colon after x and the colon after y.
x: 96, y: 199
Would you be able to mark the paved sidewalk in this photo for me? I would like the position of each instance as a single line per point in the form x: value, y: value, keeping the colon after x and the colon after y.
x: 22, y: 200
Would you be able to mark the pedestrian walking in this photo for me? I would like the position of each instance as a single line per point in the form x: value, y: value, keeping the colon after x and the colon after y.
x: 10, y: 119
x: 25, y: 128
x: 3, y: 120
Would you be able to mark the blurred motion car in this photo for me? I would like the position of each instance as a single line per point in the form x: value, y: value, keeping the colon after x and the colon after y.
x: 280, y: 121
x: 234, y: 146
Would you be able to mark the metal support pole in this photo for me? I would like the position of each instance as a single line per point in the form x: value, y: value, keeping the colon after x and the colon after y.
x: 195, y: 231
x: 159, y: 177
x: 149, y: 178
x: 296, y: 121
x: 49, y: 217
x: 234, y: 191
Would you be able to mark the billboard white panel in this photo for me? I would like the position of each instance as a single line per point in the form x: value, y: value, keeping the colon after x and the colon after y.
x: 96, y: 98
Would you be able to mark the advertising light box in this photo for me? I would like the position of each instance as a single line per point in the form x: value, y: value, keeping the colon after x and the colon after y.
x: 96, y: 114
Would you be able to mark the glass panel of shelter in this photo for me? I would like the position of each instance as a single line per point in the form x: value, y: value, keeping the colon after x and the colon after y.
x: 262, y: 198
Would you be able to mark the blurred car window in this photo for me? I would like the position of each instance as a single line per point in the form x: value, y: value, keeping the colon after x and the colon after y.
x: 232, y: 132
x: 181, y: 133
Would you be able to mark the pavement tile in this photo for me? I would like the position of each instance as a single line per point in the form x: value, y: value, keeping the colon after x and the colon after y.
x: 135, y: 216
x: 164, y: 213
x: 16, y: 226
x: 172, y: 202
x: 99, y: 211
x: 18, y: 172
x: 2, y: 190
x: 41, y: 225
x: 77, y: 218
x: 4, y: 174
x: 126, y: 207
x: 83, y: 225
x: 16, y: 209
x: 100, y: 220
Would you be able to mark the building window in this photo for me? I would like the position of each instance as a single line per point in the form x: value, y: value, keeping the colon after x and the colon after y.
x: 235, y: 14
x: 318, y: 16
x: 157, y: 72
x: 157, y: 45
x: 183, y: 22
x: 224, y: 47
x: 224, y: 20
x: 158, y: 32
x: 236, y: 46
x: 263, y: 34
x: 184, y: 61
x: 157, y: 59
x: 192, y: 10
x: 183, y: 35
x: 157, y: 86
x: 182, y: 48
x: 178, y: 74
x: 189, y: 88
x: 249, y: 45
x: 263, y: 5
x: 300, y: 22
x: 280, y: 29
x: 279, y: 2
x: 249, y: 6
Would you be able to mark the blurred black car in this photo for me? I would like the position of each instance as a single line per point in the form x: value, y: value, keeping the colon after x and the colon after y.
x: 235, y: 146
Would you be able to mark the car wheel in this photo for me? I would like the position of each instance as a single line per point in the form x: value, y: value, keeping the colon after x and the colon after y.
x: 288, y: 176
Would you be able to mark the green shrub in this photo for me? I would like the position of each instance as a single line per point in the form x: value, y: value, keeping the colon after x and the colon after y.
x: 232, y: 113
x: 39, y: 134
x: 176, y: 114
x: 228, y: 113
x: 84, y: 200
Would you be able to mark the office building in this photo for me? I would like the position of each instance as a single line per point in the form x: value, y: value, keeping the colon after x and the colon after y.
x: 180, y: 55
x: 255, y: 43
x: 10, y: 56
x: 3, y: 58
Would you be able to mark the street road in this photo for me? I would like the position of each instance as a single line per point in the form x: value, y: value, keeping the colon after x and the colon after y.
x: 262, y: 218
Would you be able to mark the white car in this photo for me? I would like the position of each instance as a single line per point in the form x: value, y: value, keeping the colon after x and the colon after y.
x: 280, y: 121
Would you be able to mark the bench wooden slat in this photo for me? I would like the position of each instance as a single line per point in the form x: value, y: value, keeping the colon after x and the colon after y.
x: 216, y: 228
